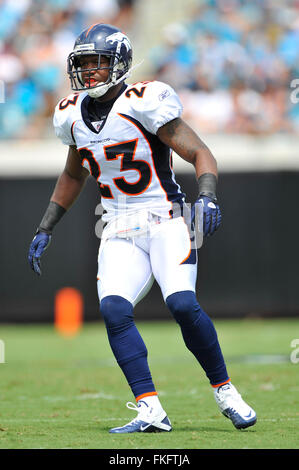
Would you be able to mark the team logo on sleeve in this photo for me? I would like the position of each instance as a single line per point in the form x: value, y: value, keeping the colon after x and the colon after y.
x: 164, y: 95
x: 120, y: 38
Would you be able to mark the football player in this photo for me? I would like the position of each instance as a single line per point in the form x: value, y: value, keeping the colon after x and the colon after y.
x: 123, y: 135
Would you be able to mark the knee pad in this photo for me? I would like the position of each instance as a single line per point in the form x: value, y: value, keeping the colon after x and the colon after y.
x: 184, y: 307
x: 116, y: 311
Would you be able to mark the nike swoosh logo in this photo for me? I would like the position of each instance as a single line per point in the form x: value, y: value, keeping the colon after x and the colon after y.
x: 142, y: 428
x: 248, y: 416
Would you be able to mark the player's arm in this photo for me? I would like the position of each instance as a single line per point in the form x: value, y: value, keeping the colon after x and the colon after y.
x: 68, y: 187
x: 186, y: 143
x: 71, y: 181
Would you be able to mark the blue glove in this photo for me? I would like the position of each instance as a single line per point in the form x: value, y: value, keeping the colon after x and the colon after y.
x: 38, y: 245
x: 211, y: 214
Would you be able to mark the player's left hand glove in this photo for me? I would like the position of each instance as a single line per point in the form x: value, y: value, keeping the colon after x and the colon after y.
x: 211, y: 214
x: 39, y: 244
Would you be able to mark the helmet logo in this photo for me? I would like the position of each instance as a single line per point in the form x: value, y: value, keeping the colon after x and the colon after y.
x: 120, y: 38
x: 84, y: 47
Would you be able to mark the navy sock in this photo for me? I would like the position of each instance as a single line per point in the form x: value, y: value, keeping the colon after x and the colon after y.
x: 126, y: 343
x: 199, y: 334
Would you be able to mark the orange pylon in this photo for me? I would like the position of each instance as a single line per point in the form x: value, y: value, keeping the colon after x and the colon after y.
x: 68, y: 311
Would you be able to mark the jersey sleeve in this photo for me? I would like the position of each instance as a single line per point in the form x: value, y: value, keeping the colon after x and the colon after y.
x: 62, y: 125
x: 158, y: 105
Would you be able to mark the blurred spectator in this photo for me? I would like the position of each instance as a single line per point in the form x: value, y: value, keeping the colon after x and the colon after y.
x: 35, y: 38
x: 232, y: 63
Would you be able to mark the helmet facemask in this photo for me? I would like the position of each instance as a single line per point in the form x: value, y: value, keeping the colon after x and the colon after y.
x: 118, y: 71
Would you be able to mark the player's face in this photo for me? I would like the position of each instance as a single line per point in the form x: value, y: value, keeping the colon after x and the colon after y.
x: 93, y: 77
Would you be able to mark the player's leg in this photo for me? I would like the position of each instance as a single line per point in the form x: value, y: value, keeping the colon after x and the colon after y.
x: 125, y: 276
x: 174, y: 265
x: 201, y: 339
x: 199, y: 335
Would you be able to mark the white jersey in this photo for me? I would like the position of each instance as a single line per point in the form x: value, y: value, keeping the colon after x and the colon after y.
x: 132, y: 166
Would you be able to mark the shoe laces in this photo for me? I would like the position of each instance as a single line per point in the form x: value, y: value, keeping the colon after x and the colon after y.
x: 230, y: 395
x: 142, y: 409
x: 227, y: 390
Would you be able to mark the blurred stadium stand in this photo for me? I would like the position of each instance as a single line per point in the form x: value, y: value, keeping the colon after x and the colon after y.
x: 232, y: 61
x: 233, y: 64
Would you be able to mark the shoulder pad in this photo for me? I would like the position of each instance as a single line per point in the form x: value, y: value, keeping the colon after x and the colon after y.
x: 66, y: 112
x: 149, y: 90
x: 153, y: 103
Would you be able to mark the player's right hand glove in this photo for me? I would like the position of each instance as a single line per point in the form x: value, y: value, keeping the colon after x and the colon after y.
x: 39, y: 244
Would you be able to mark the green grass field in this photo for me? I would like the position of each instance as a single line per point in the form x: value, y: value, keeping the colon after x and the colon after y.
x: 66, y: 393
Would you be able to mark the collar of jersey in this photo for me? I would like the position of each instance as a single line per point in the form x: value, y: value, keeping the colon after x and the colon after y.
x: 106, y: 106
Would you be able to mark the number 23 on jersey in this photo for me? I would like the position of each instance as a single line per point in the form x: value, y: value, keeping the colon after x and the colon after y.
x: 125, y: 151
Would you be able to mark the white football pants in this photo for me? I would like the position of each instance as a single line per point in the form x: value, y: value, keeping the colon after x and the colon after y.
x: 127, y: 267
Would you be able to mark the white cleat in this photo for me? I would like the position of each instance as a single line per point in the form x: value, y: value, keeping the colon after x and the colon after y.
x: 147, y: 420
x: 234, y: 407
